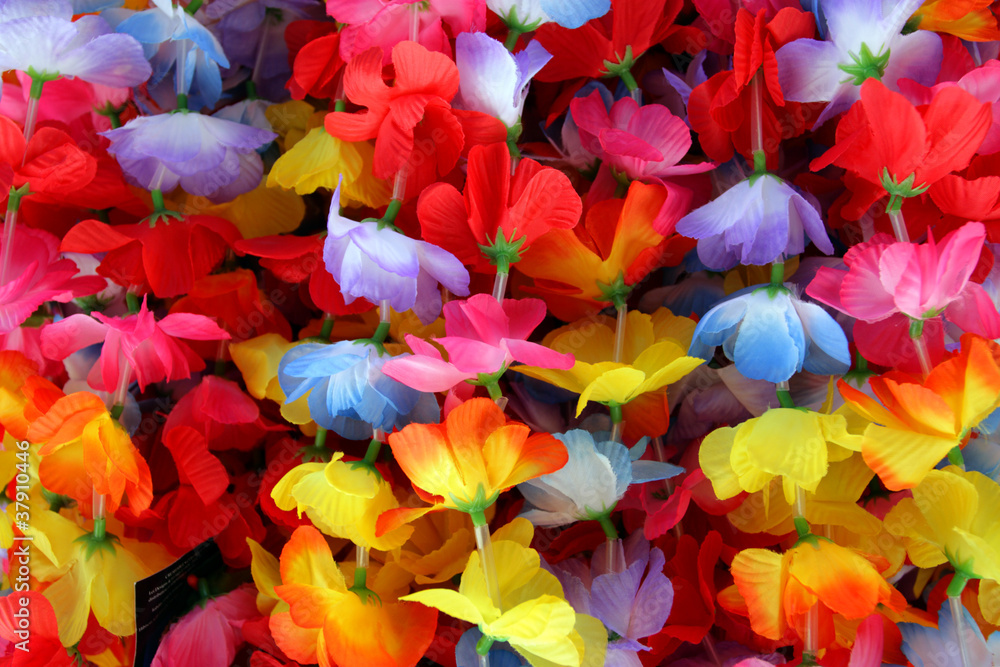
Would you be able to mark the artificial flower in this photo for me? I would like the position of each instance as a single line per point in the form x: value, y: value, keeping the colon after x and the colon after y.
x: 791, y: 444
x: 757, y: 221
x: 778, y: 590
x: 256, y: 213
x: 77, y: 435
x: 37, y: 274
x: 483, y: 338
x: 165, y: 259
x: 415, y: 128
x: 320, y: 617
x: 42, y: 39
x: 922, y: 645
x: 951, y: 518
x: 149, y: 346
x: 87, y: 576
x: 502, y: 213
x: 595, y: 477
x: 347, y: 391
x: 174, y: 39
x: 641, y: 143
x: 896, y: 148
x: 632, y: 600
x: 469, y: 460
x: 207, y: 156
x: 770, y: 334
x: 722, y: 109
x: 210, y: 633
x: 492, y: 79
x: 259, y: 359
x: 527, y: 15
x: 342, y: 500
x: 378, y: 264
x: 917, y: 423
x: 538, y: 622
x: 971, y: 20
x: 314, y: 52
x: 863, y: 41
x: 616, y: 246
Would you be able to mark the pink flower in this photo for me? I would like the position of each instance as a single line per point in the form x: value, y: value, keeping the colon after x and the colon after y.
x: 209, y: 636
x: 640, y: 142
x: 385, y: 23
x: 37, y: 274
x: 920, y: 281
x: 482, y: 339
x: 149, y: 346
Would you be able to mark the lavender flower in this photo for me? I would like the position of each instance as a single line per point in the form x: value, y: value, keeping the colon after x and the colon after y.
x: 377, y: 263
x: 757, y: 221
x: 41, y: 38
x: 493, y: 80
x: 633, y: 603
x: 207, y: 156
x: 864, y: 41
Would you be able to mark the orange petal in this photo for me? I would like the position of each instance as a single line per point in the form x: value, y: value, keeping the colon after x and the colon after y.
x: 396, y: 634
x: 760, y: 576
x: 843, y: 580
x: 513, y: 456
x: 65, y: 421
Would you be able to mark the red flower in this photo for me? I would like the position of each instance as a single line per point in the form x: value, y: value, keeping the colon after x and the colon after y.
x: 294, y: 259
x: 523, y: 206
x: 719, y: 109
x: 620, y: 36
x: 165, y: 257
x: 896, y: 148
x: 314, y: 48
x: 412, y: 122
x: 53, y: 163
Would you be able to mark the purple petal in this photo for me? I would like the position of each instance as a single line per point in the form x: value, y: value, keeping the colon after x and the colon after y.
x: 718, y: 215
x: 443, y: 267
x: 612, y: 597
x: 808, y: 70
x: 16, y: 9
x: 654, y: 600
x: 915, y: 56
x: 392, y: 252
x: 34, y: 41
x: 489, y: 76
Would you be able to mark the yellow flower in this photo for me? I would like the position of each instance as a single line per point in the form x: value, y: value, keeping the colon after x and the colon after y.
x: 258, y: 359
x: 261, y: 212
x: 342, y: 501
x: 789, y: 443
x: 538, y: 622
x: 291, y: 120
x: 654, y: 355
x: 320, y: 160
x: 953, y: 516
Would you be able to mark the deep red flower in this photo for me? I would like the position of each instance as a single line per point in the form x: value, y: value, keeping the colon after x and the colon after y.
x: 631, y: 27
x: 165, y: 258
x: 719, y: 109
x: 412, y: 122
x: 523, y: 206
x: 884, y: 135
x: 295, y: 259
x: 316, y: 64
x: 53, y: 163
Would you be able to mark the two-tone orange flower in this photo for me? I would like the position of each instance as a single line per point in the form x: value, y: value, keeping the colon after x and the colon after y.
x: 81, y: 441
x: 466, y: 462
x: 919, y: 423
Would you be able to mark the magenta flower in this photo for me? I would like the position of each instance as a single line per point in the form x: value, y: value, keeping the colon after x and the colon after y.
x: 921, y: 281
x: 149, y: 346
x: 640, y: 142
x: 482, y: 340
x: 36, y: 275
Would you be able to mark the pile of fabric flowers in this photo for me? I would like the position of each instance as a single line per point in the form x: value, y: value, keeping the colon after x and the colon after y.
x: 483, y: 333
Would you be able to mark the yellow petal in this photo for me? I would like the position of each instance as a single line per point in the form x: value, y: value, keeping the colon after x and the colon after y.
x: 257, y: 359
x: 902, y: 458
x: 266, y: 574
x: 616, y: 385
x: 789, y: 443
x: 541, y: 626
x: 714, y: 459
x: 448, y: 601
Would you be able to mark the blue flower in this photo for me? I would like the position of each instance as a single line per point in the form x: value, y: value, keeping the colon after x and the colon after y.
x: 929, y: 647
x: 172, y: 37
x: 771, y: 334
x: 595, y: 477
x: 527, y: 15
x: 757, y: 221
x: 348, y: 393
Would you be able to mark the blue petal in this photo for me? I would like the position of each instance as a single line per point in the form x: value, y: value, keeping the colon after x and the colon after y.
x: 651, y: 471
x: 574, y: 13
x: 149, y: 27
x: 720, y: 322
x: 924, y: 647
x: 767, y: 348
x: 827, y: 352
x: 202, y: 37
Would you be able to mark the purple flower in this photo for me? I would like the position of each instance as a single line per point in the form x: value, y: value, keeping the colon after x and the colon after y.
x: 40, y: 37
x: 207, y: 156
x: 863, y: 42
x: 757, y: 221
x: 493, y: 80
x: 252, y: 32
x: 633, y: 603
x: 375, y: 262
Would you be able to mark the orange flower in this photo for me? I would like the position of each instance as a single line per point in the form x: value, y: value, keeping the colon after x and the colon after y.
x: 971, y: 20
x: 79, y: 435
x: 319, y: 619
x: 466, y: 462
x: 616, y: 246
x: 917, y: 424
x: 777, y: 591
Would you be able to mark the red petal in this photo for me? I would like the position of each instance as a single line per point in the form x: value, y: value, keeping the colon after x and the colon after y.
x: 197, y: 466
